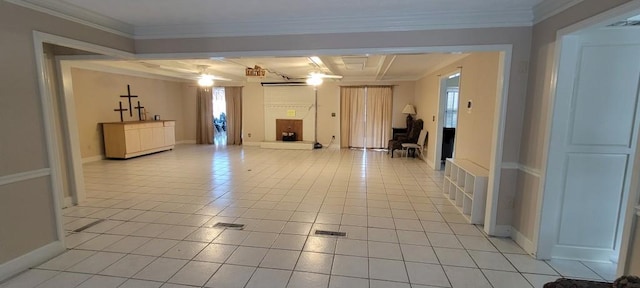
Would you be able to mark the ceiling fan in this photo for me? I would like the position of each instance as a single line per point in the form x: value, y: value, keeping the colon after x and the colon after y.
x: 323, y: 75
x: 315, y: 78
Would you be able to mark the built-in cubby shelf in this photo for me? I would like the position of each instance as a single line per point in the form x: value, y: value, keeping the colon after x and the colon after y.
x: 465, y: 185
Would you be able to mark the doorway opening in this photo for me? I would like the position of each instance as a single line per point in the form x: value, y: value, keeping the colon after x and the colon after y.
x: 452, y: 92
x: 449, y: 103
x: 219, y: 105
x: 76, y: 167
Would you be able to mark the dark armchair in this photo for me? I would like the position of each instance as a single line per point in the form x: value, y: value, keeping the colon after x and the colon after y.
x: 411, y: 137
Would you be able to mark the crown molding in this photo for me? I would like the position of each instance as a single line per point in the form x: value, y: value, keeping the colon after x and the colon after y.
x: 317, y: 25
x: 323, y: 25
x: 75, y: 14
x: 549, y: 8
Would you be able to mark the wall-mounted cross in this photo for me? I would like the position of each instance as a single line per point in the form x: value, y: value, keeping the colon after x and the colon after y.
x: 120, y: 110
x: 129, y: 96
x: 139, y: 108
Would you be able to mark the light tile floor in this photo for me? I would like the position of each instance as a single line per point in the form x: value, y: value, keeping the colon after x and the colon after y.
x: 160, y: 211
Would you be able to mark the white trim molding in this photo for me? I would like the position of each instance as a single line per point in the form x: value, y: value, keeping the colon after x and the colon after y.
x: 251, y: 144
x: 70, y: 12
x: 23, y: 176
x: 351, y: 24
x: 92, y: 159
x: 503, y: 231
x: 638, y: 211
x: 548, y: 8
x: 524, y: 168
x: 31, y: 259
x: 310, y: 25
x: 68, y: 202
x: 523, y: 242
x: 531, y: 171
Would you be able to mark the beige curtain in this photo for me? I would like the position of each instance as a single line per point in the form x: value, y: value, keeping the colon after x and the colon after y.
x: 378, y: 121
x: 233, y: 96
x: 352, y: 117
x: 204, y: 114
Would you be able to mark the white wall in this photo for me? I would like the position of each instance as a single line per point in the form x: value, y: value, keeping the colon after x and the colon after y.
x: 280, y: 101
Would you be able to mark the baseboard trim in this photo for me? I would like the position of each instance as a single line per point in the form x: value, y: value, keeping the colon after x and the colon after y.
x: 524, y: 168
x: 24, y: 176
x: 92, y: 159
x: 68, y: 202
x: 254, y: 144
x: 503, y: 231
x: 186, y: 142
x: 582, y: 253
x: 31, y: 259
x: 523, y: 241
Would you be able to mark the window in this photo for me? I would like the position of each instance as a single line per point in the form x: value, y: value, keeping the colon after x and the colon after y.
x: 451, y: 110
x: 219, y: 110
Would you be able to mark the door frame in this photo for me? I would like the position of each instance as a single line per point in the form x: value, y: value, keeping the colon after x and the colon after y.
x: 546, y: 224
x: 442, y: 103
x: 105, y: 53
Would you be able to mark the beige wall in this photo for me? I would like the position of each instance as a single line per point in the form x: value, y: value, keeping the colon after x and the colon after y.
x: 253, y: 112
x: 478, y: 83
x: 427, y: 94
x: 96, y: 94
x: 403, y: 94
x: 535, y: 124
x: 329, y: 102
x: 29, y: 202
x: 189, y: 113
x: 23, y: 142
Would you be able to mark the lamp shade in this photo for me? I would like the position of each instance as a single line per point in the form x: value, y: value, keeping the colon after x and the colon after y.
x: 409, y: 109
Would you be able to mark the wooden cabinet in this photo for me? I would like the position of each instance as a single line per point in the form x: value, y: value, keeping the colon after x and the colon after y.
x: 465, y: 185
x: 130, y: 139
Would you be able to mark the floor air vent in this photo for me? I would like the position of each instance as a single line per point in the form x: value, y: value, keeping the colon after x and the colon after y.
x: 229, y: 225
x: 331, y: 233
x: 85, y: 227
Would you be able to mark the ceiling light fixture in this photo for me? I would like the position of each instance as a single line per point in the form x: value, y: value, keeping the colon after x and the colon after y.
x: 205, y: 81
x: 314, y: 80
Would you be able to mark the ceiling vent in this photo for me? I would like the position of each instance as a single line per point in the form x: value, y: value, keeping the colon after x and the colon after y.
x: 354, y: 63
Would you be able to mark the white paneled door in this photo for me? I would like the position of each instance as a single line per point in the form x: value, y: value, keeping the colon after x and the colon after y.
x: 593, y: 144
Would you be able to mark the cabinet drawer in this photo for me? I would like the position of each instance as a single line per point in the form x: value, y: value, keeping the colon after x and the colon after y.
x: 151, y: 125
x: 169, y: 123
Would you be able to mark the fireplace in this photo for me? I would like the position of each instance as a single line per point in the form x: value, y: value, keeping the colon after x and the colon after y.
x: 289, y: 130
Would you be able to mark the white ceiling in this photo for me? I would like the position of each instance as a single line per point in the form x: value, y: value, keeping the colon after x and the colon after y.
x: 191, y: 18
x: 354, y: 68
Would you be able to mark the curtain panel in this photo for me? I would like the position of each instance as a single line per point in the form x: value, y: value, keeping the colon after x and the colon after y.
x: 204, y: 116
x: 365, y: 116
x: 233, y: 96
x: 351, y: 116
x: 379, y: 118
